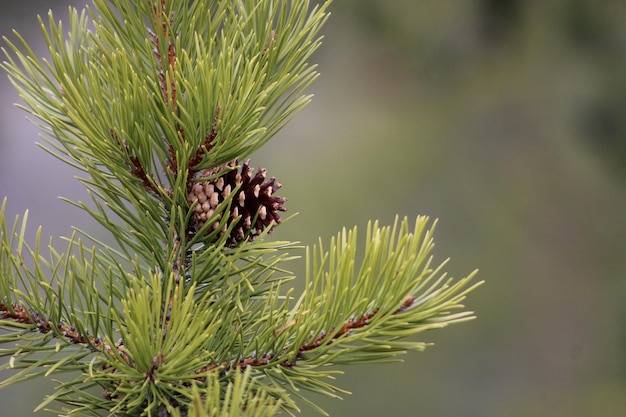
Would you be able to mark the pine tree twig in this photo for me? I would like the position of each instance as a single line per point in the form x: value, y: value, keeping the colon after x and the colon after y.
x: 269, y: 43
x: 165, y: 24
x: 137, y: 168
x: 266, y: 359
x: 20, y: 315
x: 202, y: 150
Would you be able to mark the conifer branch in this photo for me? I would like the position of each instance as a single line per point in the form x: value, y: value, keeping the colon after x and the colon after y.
x: 188, y: 315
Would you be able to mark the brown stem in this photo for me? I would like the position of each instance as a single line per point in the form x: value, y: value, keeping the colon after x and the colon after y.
x: 19, y: 314
x: 136, y: 168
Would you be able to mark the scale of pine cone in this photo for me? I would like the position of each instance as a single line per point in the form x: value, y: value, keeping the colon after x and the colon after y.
x: 254, y: 202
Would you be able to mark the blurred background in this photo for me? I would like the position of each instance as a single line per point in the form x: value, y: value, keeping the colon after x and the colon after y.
x: 504, y: 119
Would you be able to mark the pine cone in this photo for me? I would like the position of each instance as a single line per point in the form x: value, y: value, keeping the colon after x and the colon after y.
x: 254, y: 199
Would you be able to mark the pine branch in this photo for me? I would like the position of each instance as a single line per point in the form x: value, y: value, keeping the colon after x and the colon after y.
x: 189, y: 315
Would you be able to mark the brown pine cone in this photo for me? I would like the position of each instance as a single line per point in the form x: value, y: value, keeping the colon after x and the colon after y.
x: 254, y: 202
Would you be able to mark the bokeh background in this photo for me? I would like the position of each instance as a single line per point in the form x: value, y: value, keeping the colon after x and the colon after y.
x: 505, y: 119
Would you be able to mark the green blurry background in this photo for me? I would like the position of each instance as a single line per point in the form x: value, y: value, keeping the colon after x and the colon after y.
x: 504, y: 119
